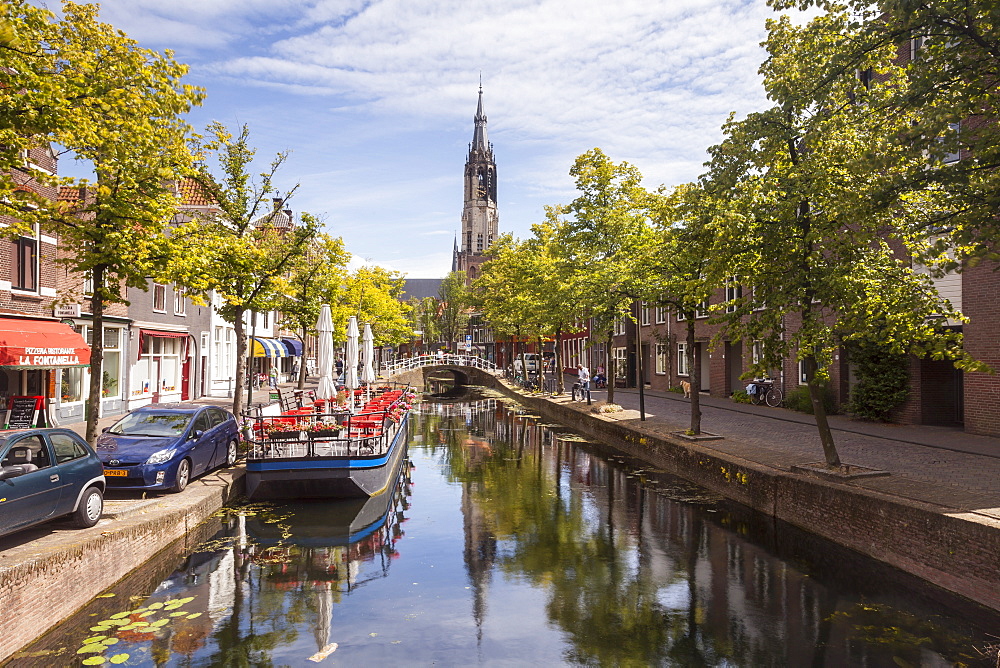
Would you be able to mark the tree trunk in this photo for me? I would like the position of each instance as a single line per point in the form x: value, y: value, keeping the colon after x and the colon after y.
x: 639, y: 373
x: 302, y: 362
x: 96, y: 354
x: 241, y: 362
x: 609, y: 371
x: 819, y: 410
x: 694, y: 374
x: 539, y: 367
x: 557, y: 363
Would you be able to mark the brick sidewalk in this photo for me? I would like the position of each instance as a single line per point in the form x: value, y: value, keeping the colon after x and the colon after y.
x: 941, y: 466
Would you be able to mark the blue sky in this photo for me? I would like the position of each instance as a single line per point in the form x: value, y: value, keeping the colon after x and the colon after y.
x: 375, y: 98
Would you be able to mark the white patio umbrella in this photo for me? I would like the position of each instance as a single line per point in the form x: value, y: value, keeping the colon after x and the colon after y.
x: 327, y: 390
x: 351, y: 360
x: 368, y: 358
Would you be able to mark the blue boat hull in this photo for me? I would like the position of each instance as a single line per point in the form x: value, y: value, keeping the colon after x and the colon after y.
x: 344, y: 477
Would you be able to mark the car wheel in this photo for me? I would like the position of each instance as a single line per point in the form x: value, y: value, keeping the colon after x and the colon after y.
x: 89, y: 511
x: 231, y: 453
x: 183, y: 476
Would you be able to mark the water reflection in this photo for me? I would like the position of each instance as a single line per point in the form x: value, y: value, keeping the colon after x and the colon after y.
x: 641, y: 567
x: 524, y: 544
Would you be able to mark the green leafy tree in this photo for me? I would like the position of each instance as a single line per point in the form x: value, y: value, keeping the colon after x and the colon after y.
x: 500, y: 290
x: 314, y: 278
x: 117, y: 107
x: 373, y: 294
x: 424, y: 319
x: 951, y: 101
x: 803, y: 240
x: 249, y: 248
x: 681, y: 271
x: 605, y: 234
x: 455, y: 307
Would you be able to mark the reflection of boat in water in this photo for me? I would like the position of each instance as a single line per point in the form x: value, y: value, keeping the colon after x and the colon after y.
x: 326, y: 549
x: 351, y: 456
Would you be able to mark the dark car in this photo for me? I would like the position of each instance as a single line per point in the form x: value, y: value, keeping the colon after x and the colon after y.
x: 48, y: 473
x: 162, y: 447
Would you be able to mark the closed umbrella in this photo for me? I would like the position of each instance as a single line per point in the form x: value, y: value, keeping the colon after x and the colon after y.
x: 368, y: 358
x: 351, y: 361
x: 327, y: 390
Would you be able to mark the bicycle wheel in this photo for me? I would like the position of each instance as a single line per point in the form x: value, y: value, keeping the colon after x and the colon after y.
x: 773, y: 397
x: 757, y: 398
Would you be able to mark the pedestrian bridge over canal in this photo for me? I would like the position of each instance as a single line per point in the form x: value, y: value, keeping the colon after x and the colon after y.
x: 463, y: 369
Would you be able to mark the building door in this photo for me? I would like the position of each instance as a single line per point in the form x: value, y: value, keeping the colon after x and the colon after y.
x: 734, y: 365
x: 186, y: 379
x: 706, y: 367
x: 157, y: 381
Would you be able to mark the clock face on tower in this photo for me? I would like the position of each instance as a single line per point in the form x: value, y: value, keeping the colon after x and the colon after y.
x: 480, y: 192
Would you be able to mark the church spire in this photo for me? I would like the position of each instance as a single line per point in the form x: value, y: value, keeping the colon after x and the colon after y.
x: 479, y: 141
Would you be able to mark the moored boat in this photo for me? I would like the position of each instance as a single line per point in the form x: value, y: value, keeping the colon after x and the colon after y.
x: 330, y: 455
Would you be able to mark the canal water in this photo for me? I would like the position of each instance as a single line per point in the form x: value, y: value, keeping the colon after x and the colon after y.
x: 510, y: 541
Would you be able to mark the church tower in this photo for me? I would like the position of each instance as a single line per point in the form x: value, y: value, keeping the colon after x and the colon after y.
x: 480, y: 219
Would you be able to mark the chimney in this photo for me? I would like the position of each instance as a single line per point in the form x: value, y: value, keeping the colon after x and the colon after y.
x: 277, y: 203
x: 288, y: 212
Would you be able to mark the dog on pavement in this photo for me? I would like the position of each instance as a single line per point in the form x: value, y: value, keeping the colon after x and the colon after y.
x: 686, y: 386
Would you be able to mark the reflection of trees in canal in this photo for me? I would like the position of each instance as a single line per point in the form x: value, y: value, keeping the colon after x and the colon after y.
x: 644, y: 568
x: 250, y: 590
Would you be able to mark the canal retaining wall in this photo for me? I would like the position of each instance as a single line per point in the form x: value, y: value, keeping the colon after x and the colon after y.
x: 958, y: 551
x: 49, y: 578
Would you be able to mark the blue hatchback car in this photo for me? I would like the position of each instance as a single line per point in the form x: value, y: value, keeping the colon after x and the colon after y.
x: 162, y: 447
x: 48, y: 473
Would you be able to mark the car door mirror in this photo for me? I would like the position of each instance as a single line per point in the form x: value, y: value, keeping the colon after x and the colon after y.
x: 105, y: 430
x: 197, y: 433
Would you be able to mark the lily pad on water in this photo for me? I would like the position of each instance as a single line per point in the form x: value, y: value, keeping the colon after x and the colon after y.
x: 92, y: 648
x: 108, y: 595
x: 92, y: 639
x: 94, y: 661
x: 194, y: 616
x: 120, y: 615
x: 119, y: 658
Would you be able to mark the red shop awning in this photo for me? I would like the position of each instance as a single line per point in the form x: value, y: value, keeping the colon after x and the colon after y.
x: 41, y: 344
x: 156, y: 333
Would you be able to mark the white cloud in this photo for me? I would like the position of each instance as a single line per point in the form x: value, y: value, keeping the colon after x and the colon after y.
x: 376, y: 97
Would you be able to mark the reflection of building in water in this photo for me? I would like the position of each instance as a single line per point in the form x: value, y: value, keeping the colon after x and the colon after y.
x: 706, y: 571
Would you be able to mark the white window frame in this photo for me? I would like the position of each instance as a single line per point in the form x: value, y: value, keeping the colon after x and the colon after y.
x: 734, y: 291
x: 180, y: 301
x: 662, y: 359
x: 701, y: 311
x: 756, y: 352
x: 682, y: 360
x: 802, y: 373
x: 161, y: 290
x: 661, y: 315
x: 644, y: 313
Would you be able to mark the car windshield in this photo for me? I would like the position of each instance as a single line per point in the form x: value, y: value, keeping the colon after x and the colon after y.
x: 152, y: 423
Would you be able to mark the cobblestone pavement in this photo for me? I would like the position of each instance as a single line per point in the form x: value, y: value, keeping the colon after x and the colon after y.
x: 941, y: 466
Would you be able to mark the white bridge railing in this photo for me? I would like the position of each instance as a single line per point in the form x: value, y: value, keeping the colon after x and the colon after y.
x: 439, y: 360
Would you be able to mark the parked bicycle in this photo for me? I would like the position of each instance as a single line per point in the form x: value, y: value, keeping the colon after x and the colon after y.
x: 762, y: 390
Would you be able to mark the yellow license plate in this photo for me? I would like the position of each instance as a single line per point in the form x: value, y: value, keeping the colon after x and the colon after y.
x: 114, y: 473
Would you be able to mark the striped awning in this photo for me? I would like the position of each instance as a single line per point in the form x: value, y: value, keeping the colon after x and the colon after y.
x: 294, y: 346
x: 268, y: 347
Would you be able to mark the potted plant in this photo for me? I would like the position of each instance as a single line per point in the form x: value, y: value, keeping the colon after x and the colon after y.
x: 282, y: 431
x: 323, y: 430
